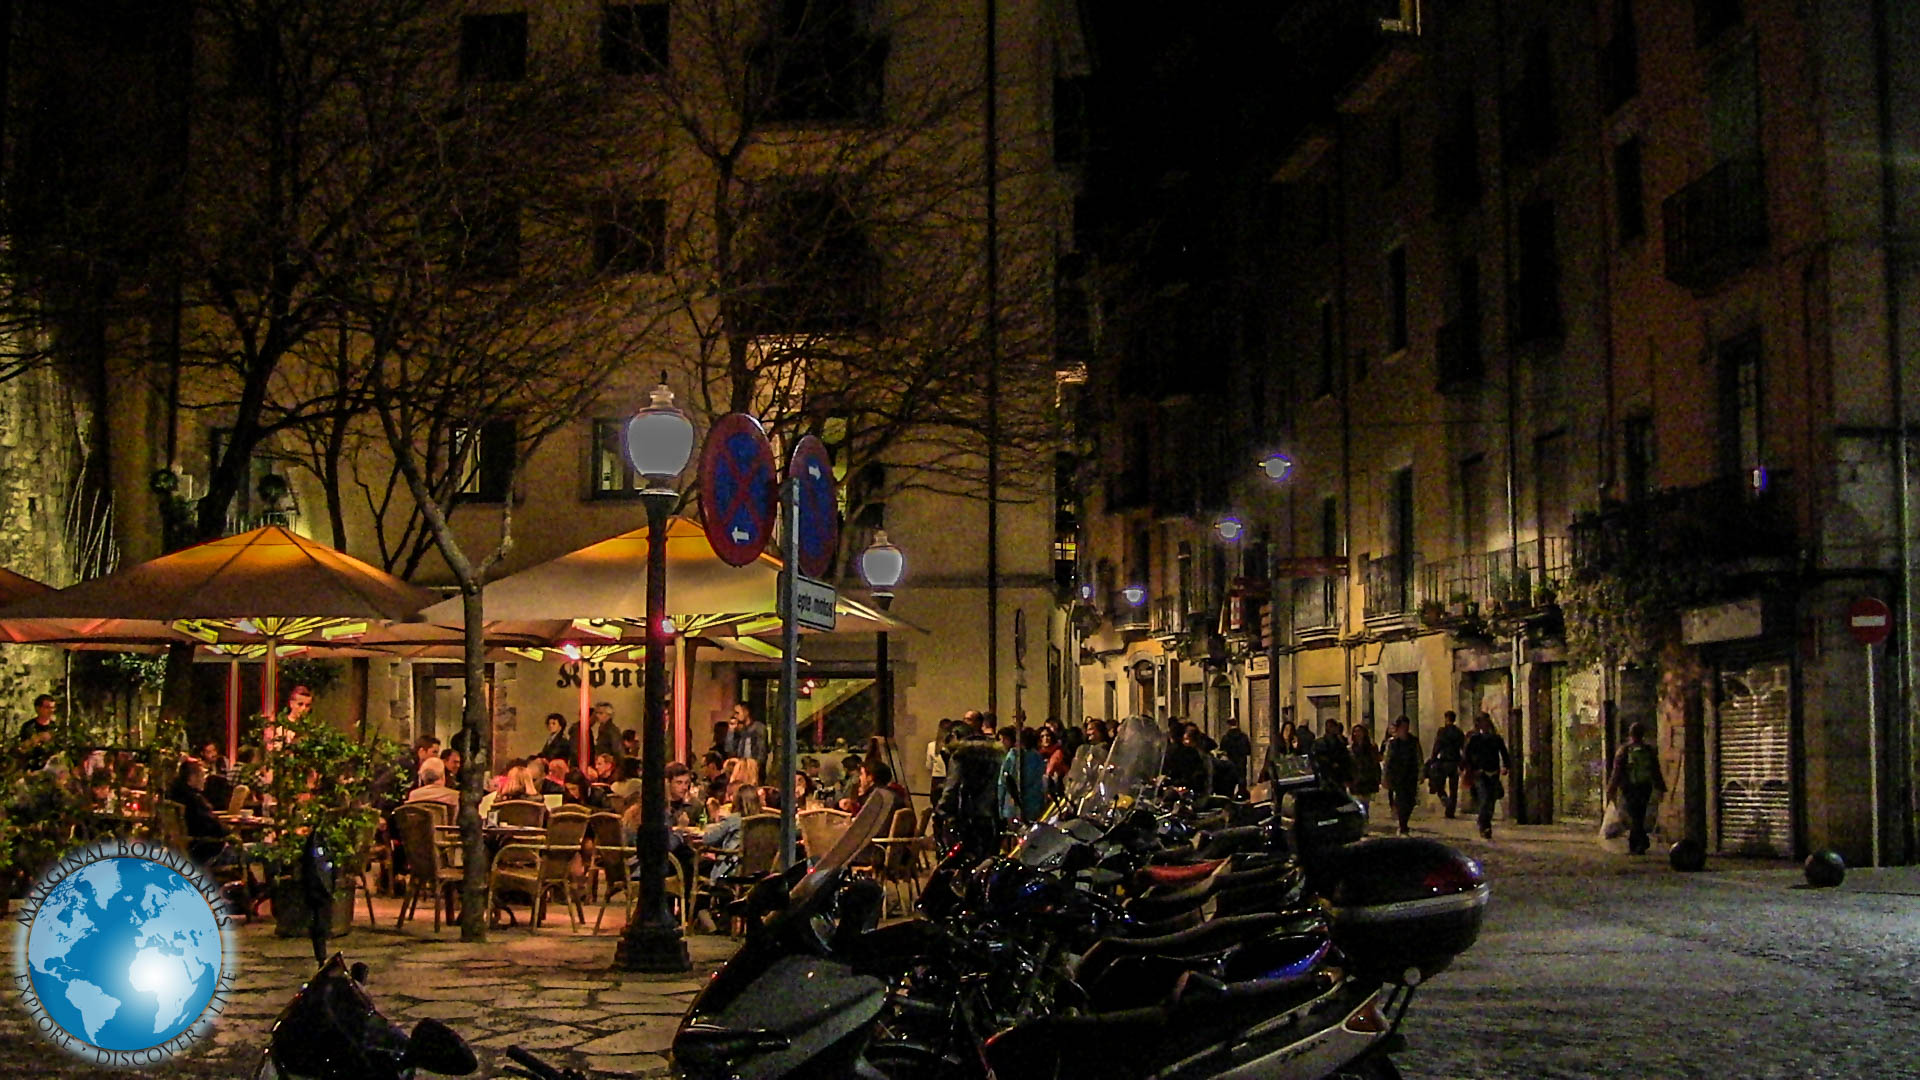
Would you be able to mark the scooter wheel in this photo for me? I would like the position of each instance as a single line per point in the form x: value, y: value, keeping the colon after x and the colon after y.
x: 910, y: 1061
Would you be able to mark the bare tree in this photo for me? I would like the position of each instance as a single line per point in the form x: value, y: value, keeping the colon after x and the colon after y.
x: 828, y: 235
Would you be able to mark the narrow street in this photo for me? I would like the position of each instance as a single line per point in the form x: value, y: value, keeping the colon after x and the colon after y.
x: 1593, y: 964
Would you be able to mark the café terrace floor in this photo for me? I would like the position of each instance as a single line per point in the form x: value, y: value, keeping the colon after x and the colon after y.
x: 550, y: 990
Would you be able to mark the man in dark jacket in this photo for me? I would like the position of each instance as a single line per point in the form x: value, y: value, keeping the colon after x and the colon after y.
x: 1332, y: 758
x: 1402, y: 769
x: 1449, y: 749
x: 1487, y: 762
x: 1239, y: 750
x: 970, y: 802
x: 206, y: 834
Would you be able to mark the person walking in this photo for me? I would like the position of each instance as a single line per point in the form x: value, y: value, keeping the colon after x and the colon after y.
x: 1486, y: 762
x: 1366, y: 767
x: 1402, y: 769
x: 1238, y: 750
x: 937, y: 760
x: 1443, y: 772
x: 1634, y: 778
x: 1332, y: 760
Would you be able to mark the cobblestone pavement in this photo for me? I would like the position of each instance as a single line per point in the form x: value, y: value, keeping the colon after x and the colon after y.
x: 1591, y: 964
x: 1595, y: 964
x: 550, y: 990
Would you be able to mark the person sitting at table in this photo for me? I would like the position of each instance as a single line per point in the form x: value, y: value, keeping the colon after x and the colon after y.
x: 713, y: 766
x: 722, y: 838
x: 872, y: 775
x: 603, y: 770
x: 683, y: 810
x: 433, y: 788
x: 555, y: 782
x: 452, y: 761
x: 627, y: 784
x: 574, y: 789
x: 207, y: 835
x: 850, y: 777
x: 716, y: 798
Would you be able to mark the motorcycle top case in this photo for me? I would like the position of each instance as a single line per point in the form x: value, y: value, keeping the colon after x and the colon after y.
x: 1403, y: 903
x: 1324, y: 818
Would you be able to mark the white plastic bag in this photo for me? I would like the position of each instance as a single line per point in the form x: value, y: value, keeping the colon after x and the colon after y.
x: 1613, y: 824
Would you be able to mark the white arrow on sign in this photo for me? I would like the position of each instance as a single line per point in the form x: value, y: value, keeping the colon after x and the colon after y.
x: 740, y: 535
x: 813, y: 471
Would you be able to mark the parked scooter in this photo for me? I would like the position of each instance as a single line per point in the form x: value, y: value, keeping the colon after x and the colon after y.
x: 332, y: 1030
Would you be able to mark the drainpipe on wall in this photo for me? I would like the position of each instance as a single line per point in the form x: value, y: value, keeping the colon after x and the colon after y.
x: 1516, y: 744
x: 1896, y: 363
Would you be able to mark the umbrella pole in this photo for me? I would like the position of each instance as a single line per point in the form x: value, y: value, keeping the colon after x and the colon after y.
x: 233, y: 710
x: 269, y: 694
x: 682, y: 745
x: 583, y: 737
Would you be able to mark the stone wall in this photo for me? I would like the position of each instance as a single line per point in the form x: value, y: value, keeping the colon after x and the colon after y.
x: 48, y: 530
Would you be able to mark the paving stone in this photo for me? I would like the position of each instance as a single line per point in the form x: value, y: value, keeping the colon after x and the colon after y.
x: 540, y: 1037
x: 660, y: 1007
x: 546, y: 983
x: 638, y: 1065
x: 651, y: 1035
x: 543, y: 999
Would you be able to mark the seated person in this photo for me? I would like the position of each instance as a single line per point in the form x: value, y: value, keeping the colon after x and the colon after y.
x: 555, y: 782
x: 683, y: 810
x: 603, y: 771
x: 207, y: 835
x: 433, y: 788
x: 575, y: 791
x: 713, y: 766
x: 872, y: 776
x: 722, y: 838
x: 453, y: 761
x: 627, y: 785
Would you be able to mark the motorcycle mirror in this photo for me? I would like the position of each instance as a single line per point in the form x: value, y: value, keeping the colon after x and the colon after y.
x: 438, y: 1048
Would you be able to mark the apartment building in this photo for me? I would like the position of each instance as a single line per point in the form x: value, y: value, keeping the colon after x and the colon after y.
x: 1581, y: 319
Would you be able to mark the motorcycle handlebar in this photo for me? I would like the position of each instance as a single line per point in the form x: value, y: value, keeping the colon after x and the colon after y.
x: 525, y: 1059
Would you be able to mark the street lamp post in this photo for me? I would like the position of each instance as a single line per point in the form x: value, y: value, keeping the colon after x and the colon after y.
x: 659, y: 441
x: 881, y: 566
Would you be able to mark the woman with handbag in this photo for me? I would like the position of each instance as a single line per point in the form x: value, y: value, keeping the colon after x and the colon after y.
x: 1486, y: 761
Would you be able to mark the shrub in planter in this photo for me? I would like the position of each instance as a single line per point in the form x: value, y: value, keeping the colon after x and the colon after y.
x: 321, y: 782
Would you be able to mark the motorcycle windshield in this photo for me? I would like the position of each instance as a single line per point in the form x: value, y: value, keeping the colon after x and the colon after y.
x: 872, y: 820
x: 1084, y: 772
x: 1132, y: 764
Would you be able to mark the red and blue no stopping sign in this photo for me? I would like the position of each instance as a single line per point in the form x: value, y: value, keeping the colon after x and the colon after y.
x: 819, y: 506
x: 738, y: 489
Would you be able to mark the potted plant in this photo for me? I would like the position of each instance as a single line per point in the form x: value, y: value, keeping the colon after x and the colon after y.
x: 1460, y: 605
x: 1432, y: 612
x: 321, y: 782
x: 1545, y: 595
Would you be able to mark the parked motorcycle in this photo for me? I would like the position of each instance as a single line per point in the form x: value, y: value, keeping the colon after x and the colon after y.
x: 332, y: 1030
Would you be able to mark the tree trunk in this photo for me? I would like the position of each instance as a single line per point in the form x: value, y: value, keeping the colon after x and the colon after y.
x: 474, y: 767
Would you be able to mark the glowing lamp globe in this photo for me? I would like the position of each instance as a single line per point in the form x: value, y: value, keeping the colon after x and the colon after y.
x: 659, y: 440
x: 1229, y: 528
x: 1277, y: 466
x: 1134, y: 595
x: 882, y: 565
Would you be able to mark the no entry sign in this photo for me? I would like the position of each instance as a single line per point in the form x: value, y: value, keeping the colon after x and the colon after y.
x: 1869, y: 621
x: 737, y: 488
x: 819, y: 506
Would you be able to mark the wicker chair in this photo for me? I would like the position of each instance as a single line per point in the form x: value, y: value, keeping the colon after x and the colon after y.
x: 820, y: 828
x: 759, y: 854
x: 238, y: 800
x: 900, y: 862
x: 526, y: 813
x: 610, y: 858
x: 538, y: 869
x: 425, y: 873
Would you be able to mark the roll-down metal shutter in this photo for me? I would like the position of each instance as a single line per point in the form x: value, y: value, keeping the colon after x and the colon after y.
x: 1755, y: 792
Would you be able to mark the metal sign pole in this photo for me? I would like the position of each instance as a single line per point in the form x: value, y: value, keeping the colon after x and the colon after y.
x: 1873, y: 753
x: 789, y: 661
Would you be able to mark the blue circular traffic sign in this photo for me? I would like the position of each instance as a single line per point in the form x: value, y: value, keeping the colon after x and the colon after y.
x: 819, y: 506
x: 738, y: 491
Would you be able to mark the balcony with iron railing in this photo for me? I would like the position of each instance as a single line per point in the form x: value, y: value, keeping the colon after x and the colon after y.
x: 1739, y: 523
x: 1509, y: 575
x: 1717, y: 225
x: 1316, y: 607
x: 1390, y: 581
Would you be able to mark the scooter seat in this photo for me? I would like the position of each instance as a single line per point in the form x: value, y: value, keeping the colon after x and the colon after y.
x: 1209, y: 936
x: 1154, y: 876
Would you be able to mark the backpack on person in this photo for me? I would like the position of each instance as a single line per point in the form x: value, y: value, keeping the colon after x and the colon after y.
x: 1643, y: 766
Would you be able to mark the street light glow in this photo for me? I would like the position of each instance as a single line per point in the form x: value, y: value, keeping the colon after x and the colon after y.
x: 1277, y: 466
x: 1229, y: 527
x: 1134, y: 595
